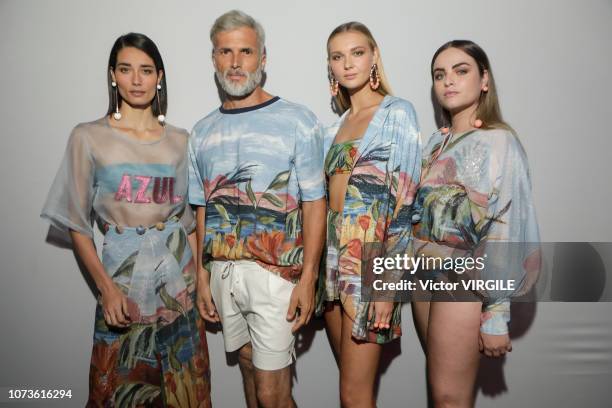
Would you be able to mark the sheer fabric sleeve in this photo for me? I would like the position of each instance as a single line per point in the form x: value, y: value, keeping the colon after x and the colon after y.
x: 196, y: 186
x: 70, y: 200
x: 405, y: 170
x: 511, y: 241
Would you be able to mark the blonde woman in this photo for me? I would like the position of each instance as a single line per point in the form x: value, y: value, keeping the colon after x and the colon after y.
x: 372, y: 166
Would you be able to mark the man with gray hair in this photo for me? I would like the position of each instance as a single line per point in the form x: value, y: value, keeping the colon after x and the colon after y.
x: 257, y: 180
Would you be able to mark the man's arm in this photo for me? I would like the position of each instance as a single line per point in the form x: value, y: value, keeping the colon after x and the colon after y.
x: 313, y: 234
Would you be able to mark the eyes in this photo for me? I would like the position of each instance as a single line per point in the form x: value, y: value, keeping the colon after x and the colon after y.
x: 355, y: 53
x: 439, y: 75
x: 143, y: 71
x: 227, y: 51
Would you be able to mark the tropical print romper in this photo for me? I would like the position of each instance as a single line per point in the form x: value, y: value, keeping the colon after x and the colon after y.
x: 384, y: 169
x: 136, y: 191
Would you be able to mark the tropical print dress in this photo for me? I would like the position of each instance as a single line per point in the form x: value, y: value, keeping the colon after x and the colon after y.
x: 475, y: 198
x: 136, y: 191
x: 251, y: 168
x: 384, y: 169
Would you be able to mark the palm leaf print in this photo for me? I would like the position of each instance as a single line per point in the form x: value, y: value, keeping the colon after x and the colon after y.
x: 222, y: 211
x: 176, y: 243
x: 273, y: 199
x: 140, y: 344
x: 280, y: 181
x: 251, y: 194
x: 242, y: 174
x: 377, y: 154
x: 170, y: 302
x: 291, y: 223
x: 135, y: 394
x: 495, y: 218
x: 127, y: 266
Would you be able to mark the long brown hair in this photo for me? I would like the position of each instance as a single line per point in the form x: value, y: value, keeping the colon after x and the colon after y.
x: 488, y: 110
x: 343, y: 100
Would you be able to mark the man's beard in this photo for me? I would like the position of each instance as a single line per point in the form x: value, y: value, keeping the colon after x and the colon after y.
x: 253, y: 79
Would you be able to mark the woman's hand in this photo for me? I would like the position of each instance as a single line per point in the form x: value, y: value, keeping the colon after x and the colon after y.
x: 380, y: 313
x: 494, y: 345
x: 115, y: 307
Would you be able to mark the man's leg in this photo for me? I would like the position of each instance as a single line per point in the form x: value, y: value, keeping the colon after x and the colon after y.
x: 245, y: 361
x: 265, y: 304
x: 274, y: 388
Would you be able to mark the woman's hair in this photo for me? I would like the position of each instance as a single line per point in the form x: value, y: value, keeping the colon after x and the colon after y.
x: 488, y: 110
x: 146, y: 45
x: 342, y: 100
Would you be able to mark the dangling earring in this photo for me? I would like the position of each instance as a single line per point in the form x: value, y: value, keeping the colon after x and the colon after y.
x: 117, y: 114
x: 161, y: 118
x: 374, y: 77
x: 334, y: 86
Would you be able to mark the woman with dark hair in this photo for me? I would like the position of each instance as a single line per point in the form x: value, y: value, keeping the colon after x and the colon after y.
x: 128, y: 171
x: 372, y: 166
x: 474, y: 201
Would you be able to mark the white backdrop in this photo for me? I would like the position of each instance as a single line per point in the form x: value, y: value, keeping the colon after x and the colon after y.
x: 552, y: 64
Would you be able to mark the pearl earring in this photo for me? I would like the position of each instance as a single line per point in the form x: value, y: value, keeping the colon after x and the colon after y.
x: 117, y: 114
x: 478, y: 123
x: 161, y: 117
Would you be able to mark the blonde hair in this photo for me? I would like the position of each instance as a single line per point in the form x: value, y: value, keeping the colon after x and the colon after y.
x: 342, y: 101
x: 488, y: 110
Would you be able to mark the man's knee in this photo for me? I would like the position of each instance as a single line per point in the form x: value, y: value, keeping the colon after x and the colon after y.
x: 245, y: 357
x: 274, y: 388
x: 268, y: 396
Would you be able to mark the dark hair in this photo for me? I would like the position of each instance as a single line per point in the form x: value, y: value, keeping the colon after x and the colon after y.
x: 488, y: 110
x: 146, y: 45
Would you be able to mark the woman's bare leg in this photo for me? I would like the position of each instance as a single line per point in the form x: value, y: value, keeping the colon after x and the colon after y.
x: 452, y: 352
x: 420, y: 314
x: 358, y: 369
x: 333, y: 327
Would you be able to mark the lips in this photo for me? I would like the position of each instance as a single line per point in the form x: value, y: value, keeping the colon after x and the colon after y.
x: 449, y: 94
x: 350, y: 76
x: 137, y: 94
x: 235, y: 76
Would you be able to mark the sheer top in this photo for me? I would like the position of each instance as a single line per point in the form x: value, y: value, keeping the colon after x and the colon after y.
x: 111, y: 177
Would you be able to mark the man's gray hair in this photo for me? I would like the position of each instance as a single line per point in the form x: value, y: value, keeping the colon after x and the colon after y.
x: 235, y: 19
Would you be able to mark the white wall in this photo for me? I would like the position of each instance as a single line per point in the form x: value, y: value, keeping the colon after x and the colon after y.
x: 552, y: 63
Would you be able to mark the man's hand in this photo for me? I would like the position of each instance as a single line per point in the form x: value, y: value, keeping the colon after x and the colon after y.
x: 302, y: 298
x: 204, y: 300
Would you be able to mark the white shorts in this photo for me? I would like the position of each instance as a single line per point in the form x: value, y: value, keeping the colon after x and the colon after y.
x: 252, y: 303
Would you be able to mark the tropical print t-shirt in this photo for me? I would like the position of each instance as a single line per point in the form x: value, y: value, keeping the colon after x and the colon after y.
x: 251, y: 168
